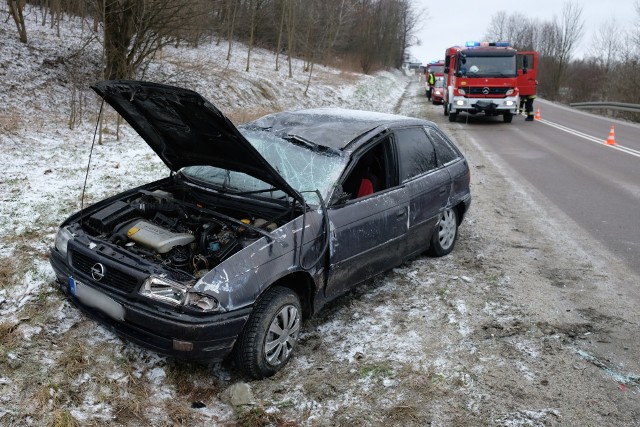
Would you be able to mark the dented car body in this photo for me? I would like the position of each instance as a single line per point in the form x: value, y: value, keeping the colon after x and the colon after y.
x: 255, y: 227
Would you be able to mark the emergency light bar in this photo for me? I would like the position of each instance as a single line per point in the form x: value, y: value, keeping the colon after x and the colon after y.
x: 485, y: 44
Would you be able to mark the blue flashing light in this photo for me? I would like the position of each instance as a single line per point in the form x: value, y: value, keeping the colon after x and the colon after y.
x: 484, y: 44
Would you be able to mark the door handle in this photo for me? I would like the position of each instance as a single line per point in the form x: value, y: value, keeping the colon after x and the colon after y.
x: 443, y: 190
x: 402, y: 212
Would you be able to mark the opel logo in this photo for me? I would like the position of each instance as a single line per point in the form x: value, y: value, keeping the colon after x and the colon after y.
x: 97, y: 271
x: 485, y: 90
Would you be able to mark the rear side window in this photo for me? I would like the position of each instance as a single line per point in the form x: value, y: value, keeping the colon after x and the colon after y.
x: 415, y: 151
x: 445, y: 152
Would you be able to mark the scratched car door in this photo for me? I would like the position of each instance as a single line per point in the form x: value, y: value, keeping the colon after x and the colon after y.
x: 368, y: 234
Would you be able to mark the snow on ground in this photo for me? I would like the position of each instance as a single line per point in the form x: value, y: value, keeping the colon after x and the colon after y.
x: 44, y: 159
x: 483, y: 337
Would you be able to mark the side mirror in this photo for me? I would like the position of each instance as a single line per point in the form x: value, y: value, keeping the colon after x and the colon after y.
x: 339, y: 197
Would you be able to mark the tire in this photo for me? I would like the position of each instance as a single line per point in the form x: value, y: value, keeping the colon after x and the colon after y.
x: 446, y: 108
x: 453, y: 117
x: 508, y: 117
x: 445, y: 235
x: 271, y: 333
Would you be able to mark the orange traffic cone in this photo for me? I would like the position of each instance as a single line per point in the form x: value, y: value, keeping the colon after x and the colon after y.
x: 612, y: 137
x: 537, y: 117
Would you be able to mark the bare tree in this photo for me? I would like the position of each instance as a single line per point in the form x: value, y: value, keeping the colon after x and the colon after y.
x: 136, y: 29
x: 567, y: 33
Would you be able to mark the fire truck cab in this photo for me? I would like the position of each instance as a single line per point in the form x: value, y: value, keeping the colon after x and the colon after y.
x: 481, y: 78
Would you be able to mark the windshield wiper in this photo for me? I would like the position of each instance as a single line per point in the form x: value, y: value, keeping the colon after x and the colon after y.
x: 298, y: 140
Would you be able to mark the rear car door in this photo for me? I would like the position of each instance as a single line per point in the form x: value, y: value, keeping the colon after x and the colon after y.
x: 427, y: 184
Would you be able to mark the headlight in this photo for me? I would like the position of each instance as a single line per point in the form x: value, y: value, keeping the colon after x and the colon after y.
x: 164, y: 290
x: 459, y: 102
x: 176, y: 294
x: 202, y: 302
x: 509, y: 103
x: 510, y: 92
x: 62, y: 240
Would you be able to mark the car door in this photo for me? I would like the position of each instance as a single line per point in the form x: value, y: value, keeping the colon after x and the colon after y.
x: 426, y: 183
x: 368, y: 233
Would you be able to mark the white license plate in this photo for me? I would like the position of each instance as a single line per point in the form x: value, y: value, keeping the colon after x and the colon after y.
x: 96, y: 299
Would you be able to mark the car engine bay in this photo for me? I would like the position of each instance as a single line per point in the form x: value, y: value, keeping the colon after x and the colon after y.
x: 164, y: 227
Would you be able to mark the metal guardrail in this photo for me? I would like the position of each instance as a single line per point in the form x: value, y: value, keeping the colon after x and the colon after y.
x: 610, y: 105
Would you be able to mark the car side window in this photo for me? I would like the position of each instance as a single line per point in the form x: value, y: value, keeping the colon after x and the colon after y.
x: 370, y: 173
x: 415, y: 152
x: 445, y: 152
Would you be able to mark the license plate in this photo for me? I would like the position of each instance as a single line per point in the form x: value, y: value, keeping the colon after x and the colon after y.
x: 96, y: 299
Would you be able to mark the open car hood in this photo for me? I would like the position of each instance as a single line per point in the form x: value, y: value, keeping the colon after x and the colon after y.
x: 184, y: 129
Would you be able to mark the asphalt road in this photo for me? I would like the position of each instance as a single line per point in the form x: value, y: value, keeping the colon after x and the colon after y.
x: 564, y: 156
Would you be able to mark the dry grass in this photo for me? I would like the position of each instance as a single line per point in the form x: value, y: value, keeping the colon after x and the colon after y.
x: 64, y: 419
x: 243, y: 116
x: 9, y: 335
x: 258, y: 417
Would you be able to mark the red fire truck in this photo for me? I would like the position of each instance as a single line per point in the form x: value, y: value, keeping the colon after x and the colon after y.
x: 484, y: 78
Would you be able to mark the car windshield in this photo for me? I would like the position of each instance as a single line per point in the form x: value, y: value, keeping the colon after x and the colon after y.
x: 305, y: 168
x: 489, y: 66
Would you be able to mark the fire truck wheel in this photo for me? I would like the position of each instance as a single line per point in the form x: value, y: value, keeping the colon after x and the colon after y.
x: 446, y: 108
x: 507, y: 117
x: 453, y: 117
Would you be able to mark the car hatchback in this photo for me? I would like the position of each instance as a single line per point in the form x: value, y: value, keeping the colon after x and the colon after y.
x: 256, y: 227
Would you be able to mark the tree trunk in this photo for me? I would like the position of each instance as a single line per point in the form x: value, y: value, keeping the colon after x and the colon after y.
x: 290, y: 35
x: 252, y: 31
x: 16, y: 6
x: 284, y: 8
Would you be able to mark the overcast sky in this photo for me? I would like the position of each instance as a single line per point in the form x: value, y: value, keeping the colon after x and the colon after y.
x: 450, y: 24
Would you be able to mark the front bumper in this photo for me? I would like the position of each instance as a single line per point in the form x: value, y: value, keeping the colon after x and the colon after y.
x: 209, y: 337
x: 491, y: 106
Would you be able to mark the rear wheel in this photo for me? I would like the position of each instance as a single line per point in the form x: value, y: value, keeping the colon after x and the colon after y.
x: 270, y: 334
x: 445, y: 235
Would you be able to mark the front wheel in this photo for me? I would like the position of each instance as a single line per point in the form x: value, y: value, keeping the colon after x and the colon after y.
x: 453, y: 116
x: 508, y: 117
x: 446, y: 108
x: 270, y: 334
x: 444, y: 236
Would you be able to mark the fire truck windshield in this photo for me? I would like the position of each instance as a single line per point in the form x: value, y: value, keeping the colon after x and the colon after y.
x: 436, y: 69
x: 488, y: 66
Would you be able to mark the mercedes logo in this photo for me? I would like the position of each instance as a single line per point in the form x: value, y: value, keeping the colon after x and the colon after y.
x: 485, y: 90
x: 97, y: 271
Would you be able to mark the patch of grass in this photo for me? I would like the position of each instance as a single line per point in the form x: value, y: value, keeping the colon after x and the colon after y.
x: 243, y: 116
x: 258, y: 417
x: 8, y: 271
x: 64, y: 419
x: 74, y: 360
x: 374, y: 370
x: 9, y: 336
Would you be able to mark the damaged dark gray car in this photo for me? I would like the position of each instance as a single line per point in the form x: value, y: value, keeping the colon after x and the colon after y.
x: 256, y: 227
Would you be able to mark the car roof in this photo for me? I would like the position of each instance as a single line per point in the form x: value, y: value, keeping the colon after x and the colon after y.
x: 336, y: 128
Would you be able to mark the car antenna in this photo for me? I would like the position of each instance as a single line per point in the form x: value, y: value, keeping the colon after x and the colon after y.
x: 86, y: 175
